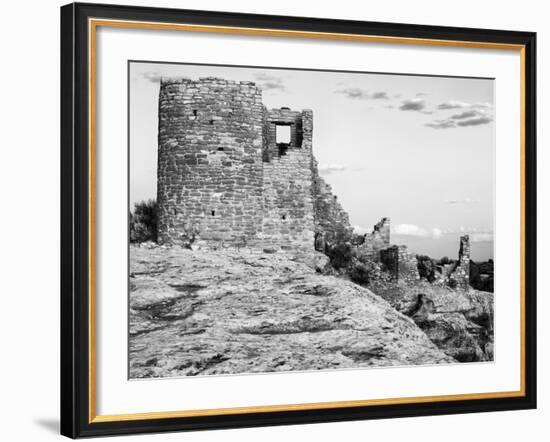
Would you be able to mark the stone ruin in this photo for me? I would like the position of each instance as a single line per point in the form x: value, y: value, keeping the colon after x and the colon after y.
x: 457, y: 273
x: 232, y: 173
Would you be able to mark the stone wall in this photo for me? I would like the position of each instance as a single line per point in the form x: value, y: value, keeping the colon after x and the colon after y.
x: 401, y: 264
x: 462, y: 272
x: 209, y: 161
x: 370, y: 245
x: 331, y: 220
x: 223, y: 177
x: 288, y: 218
x: 457, y: 273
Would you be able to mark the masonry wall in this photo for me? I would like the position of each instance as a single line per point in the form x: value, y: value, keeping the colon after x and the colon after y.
x: 462, y: 272
x: 224, y: 179
x: 287, y: 221
x: 371, y: 244
x: 402, y: 265
x: 331, y: 220
x: 210, y: 161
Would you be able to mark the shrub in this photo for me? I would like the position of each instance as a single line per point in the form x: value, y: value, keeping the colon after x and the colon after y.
x: 340, y: 255
x: 360, y: 273
x: 426, y: 267
x: 143, y: 222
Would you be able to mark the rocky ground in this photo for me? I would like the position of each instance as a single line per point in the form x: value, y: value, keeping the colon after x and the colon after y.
x: 459, y: 322
x: 202, y: 313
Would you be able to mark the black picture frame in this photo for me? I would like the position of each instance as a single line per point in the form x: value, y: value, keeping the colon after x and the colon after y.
x: 75, y: 221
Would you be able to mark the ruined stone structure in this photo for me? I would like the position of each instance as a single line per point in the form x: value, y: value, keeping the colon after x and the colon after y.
x: 402, y: 265
x: 457, y: 273
x: 232, y: 173
x: 371, y: 244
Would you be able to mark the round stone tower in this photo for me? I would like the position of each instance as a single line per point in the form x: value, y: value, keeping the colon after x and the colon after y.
x: 209, y: 186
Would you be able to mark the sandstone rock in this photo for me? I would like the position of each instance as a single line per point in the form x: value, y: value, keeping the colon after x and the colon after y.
x: 204, y: 313
x: 459, y: 322
x: 322, y: 263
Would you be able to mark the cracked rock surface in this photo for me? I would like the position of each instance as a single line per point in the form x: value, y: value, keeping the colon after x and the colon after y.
x: 458, y: 321
x: 226, y: 312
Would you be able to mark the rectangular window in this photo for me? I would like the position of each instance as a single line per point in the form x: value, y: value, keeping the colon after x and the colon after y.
x: 282, y: 134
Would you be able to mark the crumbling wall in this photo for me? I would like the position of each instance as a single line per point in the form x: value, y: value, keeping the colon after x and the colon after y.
x: 331, y: 220
x: 209, y: 161
x: 369, y: 245
x: 462, y: 272
x: 402, y: 265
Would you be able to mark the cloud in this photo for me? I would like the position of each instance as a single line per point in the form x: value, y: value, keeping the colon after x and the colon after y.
x: 456, y: 104
x: 452, y: 104
x: 471, y: 117
x: 269, y: 82
x: 153, y: 77
x: 361, y: 94
x: 482, y: 105
x: 481, y: 237
x: 466, y: 114
x: 414, y: 104
x: 441, y: 124
x: 475, y: 121
x: 381, y: 95
x: 416, y: 231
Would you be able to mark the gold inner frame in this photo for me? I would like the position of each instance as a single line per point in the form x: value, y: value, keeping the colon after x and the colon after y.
x: 93, y: 24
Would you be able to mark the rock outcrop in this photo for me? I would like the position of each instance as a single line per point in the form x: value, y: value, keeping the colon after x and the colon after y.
x: 458, y: 321
x: 237, y: 311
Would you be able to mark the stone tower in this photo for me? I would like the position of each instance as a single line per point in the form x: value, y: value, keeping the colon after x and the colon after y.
x: 226, y: 175
x: 209, y: 161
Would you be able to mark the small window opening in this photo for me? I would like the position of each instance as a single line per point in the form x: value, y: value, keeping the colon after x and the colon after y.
x: 211, y: 121
x: 213, y: 213
x: 282, y: 134
x: 283, y: 217
x: 194, y: 112
x: 220, y: 149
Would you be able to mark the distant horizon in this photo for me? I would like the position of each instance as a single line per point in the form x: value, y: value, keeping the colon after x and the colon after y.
x: 437, y: 188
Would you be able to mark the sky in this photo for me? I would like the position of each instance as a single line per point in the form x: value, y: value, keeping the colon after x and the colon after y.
x: 417, y: 149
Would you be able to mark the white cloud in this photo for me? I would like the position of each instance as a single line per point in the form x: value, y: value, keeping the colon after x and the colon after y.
x: 456, y: 104
x: 482, y: 237
x: 453, y: 104
x: 269, y: 82
x: 362, y: 94
x: 416, y: 231
x: 441, y: 124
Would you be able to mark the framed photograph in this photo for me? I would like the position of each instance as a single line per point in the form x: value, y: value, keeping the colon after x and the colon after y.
x: 274, y: 220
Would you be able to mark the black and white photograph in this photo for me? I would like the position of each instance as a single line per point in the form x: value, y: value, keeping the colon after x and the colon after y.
x: 296, y: 220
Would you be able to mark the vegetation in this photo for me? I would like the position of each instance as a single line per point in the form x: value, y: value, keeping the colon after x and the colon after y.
x: 144, y: 222
x: 426, y: 267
